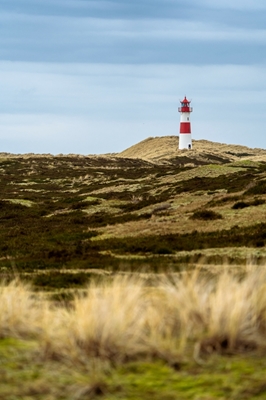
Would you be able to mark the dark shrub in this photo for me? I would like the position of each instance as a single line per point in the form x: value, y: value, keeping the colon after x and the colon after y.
x: 240, y: 205
x: 206, y: 215
x: 259, y: 188
x: 243, y: 204
x: 257, y: 202
x: 61, y: 280
x: 163, y: 250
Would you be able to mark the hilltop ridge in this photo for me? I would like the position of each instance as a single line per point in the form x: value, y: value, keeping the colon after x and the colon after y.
x: 164, y: 149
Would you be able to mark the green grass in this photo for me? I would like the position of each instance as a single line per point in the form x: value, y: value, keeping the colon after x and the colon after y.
x: 220, y: 378
x: 25, y: 376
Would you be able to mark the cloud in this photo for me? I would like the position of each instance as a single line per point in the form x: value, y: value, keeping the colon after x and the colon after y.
x: 250, y: 5
x: 96, y: 76
x: 99, y: 89
x: 108, y: 9
x: 96, y: 40
x: 100, y: 108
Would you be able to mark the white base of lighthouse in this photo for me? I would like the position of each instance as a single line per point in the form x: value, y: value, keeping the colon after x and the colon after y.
x: 185, y: 141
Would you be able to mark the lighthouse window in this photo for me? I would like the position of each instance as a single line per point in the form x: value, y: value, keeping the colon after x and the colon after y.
x: 187, y: 119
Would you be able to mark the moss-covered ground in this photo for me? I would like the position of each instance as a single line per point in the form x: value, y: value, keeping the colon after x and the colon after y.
x: 25, y: 376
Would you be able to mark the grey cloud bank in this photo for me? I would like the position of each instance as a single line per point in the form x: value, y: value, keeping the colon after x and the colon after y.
x: 96, y: 77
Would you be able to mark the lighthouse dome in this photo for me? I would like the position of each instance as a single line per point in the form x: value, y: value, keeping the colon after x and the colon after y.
x: 186, y: 101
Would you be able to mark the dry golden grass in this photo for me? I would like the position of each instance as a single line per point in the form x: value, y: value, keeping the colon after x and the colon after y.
x: 21, y: 313
x: 178, y: 221
x: 107, y: 323
x: 225, y: 313
x: 162, y: 149
x: 123, y: 319
x: 159, y: 149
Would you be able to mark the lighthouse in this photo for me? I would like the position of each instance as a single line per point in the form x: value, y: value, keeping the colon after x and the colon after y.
x: 185, y: 129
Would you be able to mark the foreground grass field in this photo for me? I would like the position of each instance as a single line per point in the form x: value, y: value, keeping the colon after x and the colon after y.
x: 25, y: 376
x: 190, y: 336
x: 113, y: 283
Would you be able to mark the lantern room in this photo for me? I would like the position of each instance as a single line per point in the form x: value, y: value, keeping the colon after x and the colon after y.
x: 185, y: 106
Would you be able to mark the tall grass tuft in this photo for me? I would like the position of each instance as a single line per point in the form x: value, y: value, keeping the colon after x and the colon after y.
x: 224, y: 313
x: 106, y: 323
x: 21, y: 314
x: 124, y: 319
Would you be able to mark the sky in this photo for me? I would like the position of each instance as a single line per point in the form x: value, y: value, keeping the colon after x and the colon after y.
x: 97, y: 76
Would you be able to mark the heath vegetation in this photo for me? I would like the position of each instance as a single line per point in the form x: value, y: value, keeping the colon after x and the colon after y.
x: 75, y: 213
x: 113, y: 274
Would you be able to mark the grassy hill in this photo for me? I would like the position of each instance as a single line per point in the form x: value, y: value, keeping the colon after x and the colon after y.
x: 83, y: 215
x: 165, y: 150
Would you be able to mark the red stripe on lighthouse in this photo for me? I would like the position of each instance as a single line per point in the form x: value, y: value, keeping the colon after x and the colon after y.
x: 185, y: 127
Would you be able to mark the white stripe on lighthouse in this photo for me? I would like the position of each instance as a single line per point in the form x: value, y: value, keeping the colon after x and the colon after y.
x: 185, y: 117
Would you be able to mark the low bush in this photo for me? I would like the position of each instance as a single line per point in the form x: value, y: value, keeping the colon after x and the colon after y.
x: 257, y: 202
x: 61, y: 280
x: 240, y: 205
x: 100, y: 219
x: 206, y: 215
x: 223, y: 200
x: 244, y: 204
x: 259, y: 188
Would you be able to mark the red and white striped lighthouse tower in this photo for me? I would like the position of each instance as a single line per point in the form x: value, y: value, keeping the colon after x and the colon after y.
x: 185, y: 129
